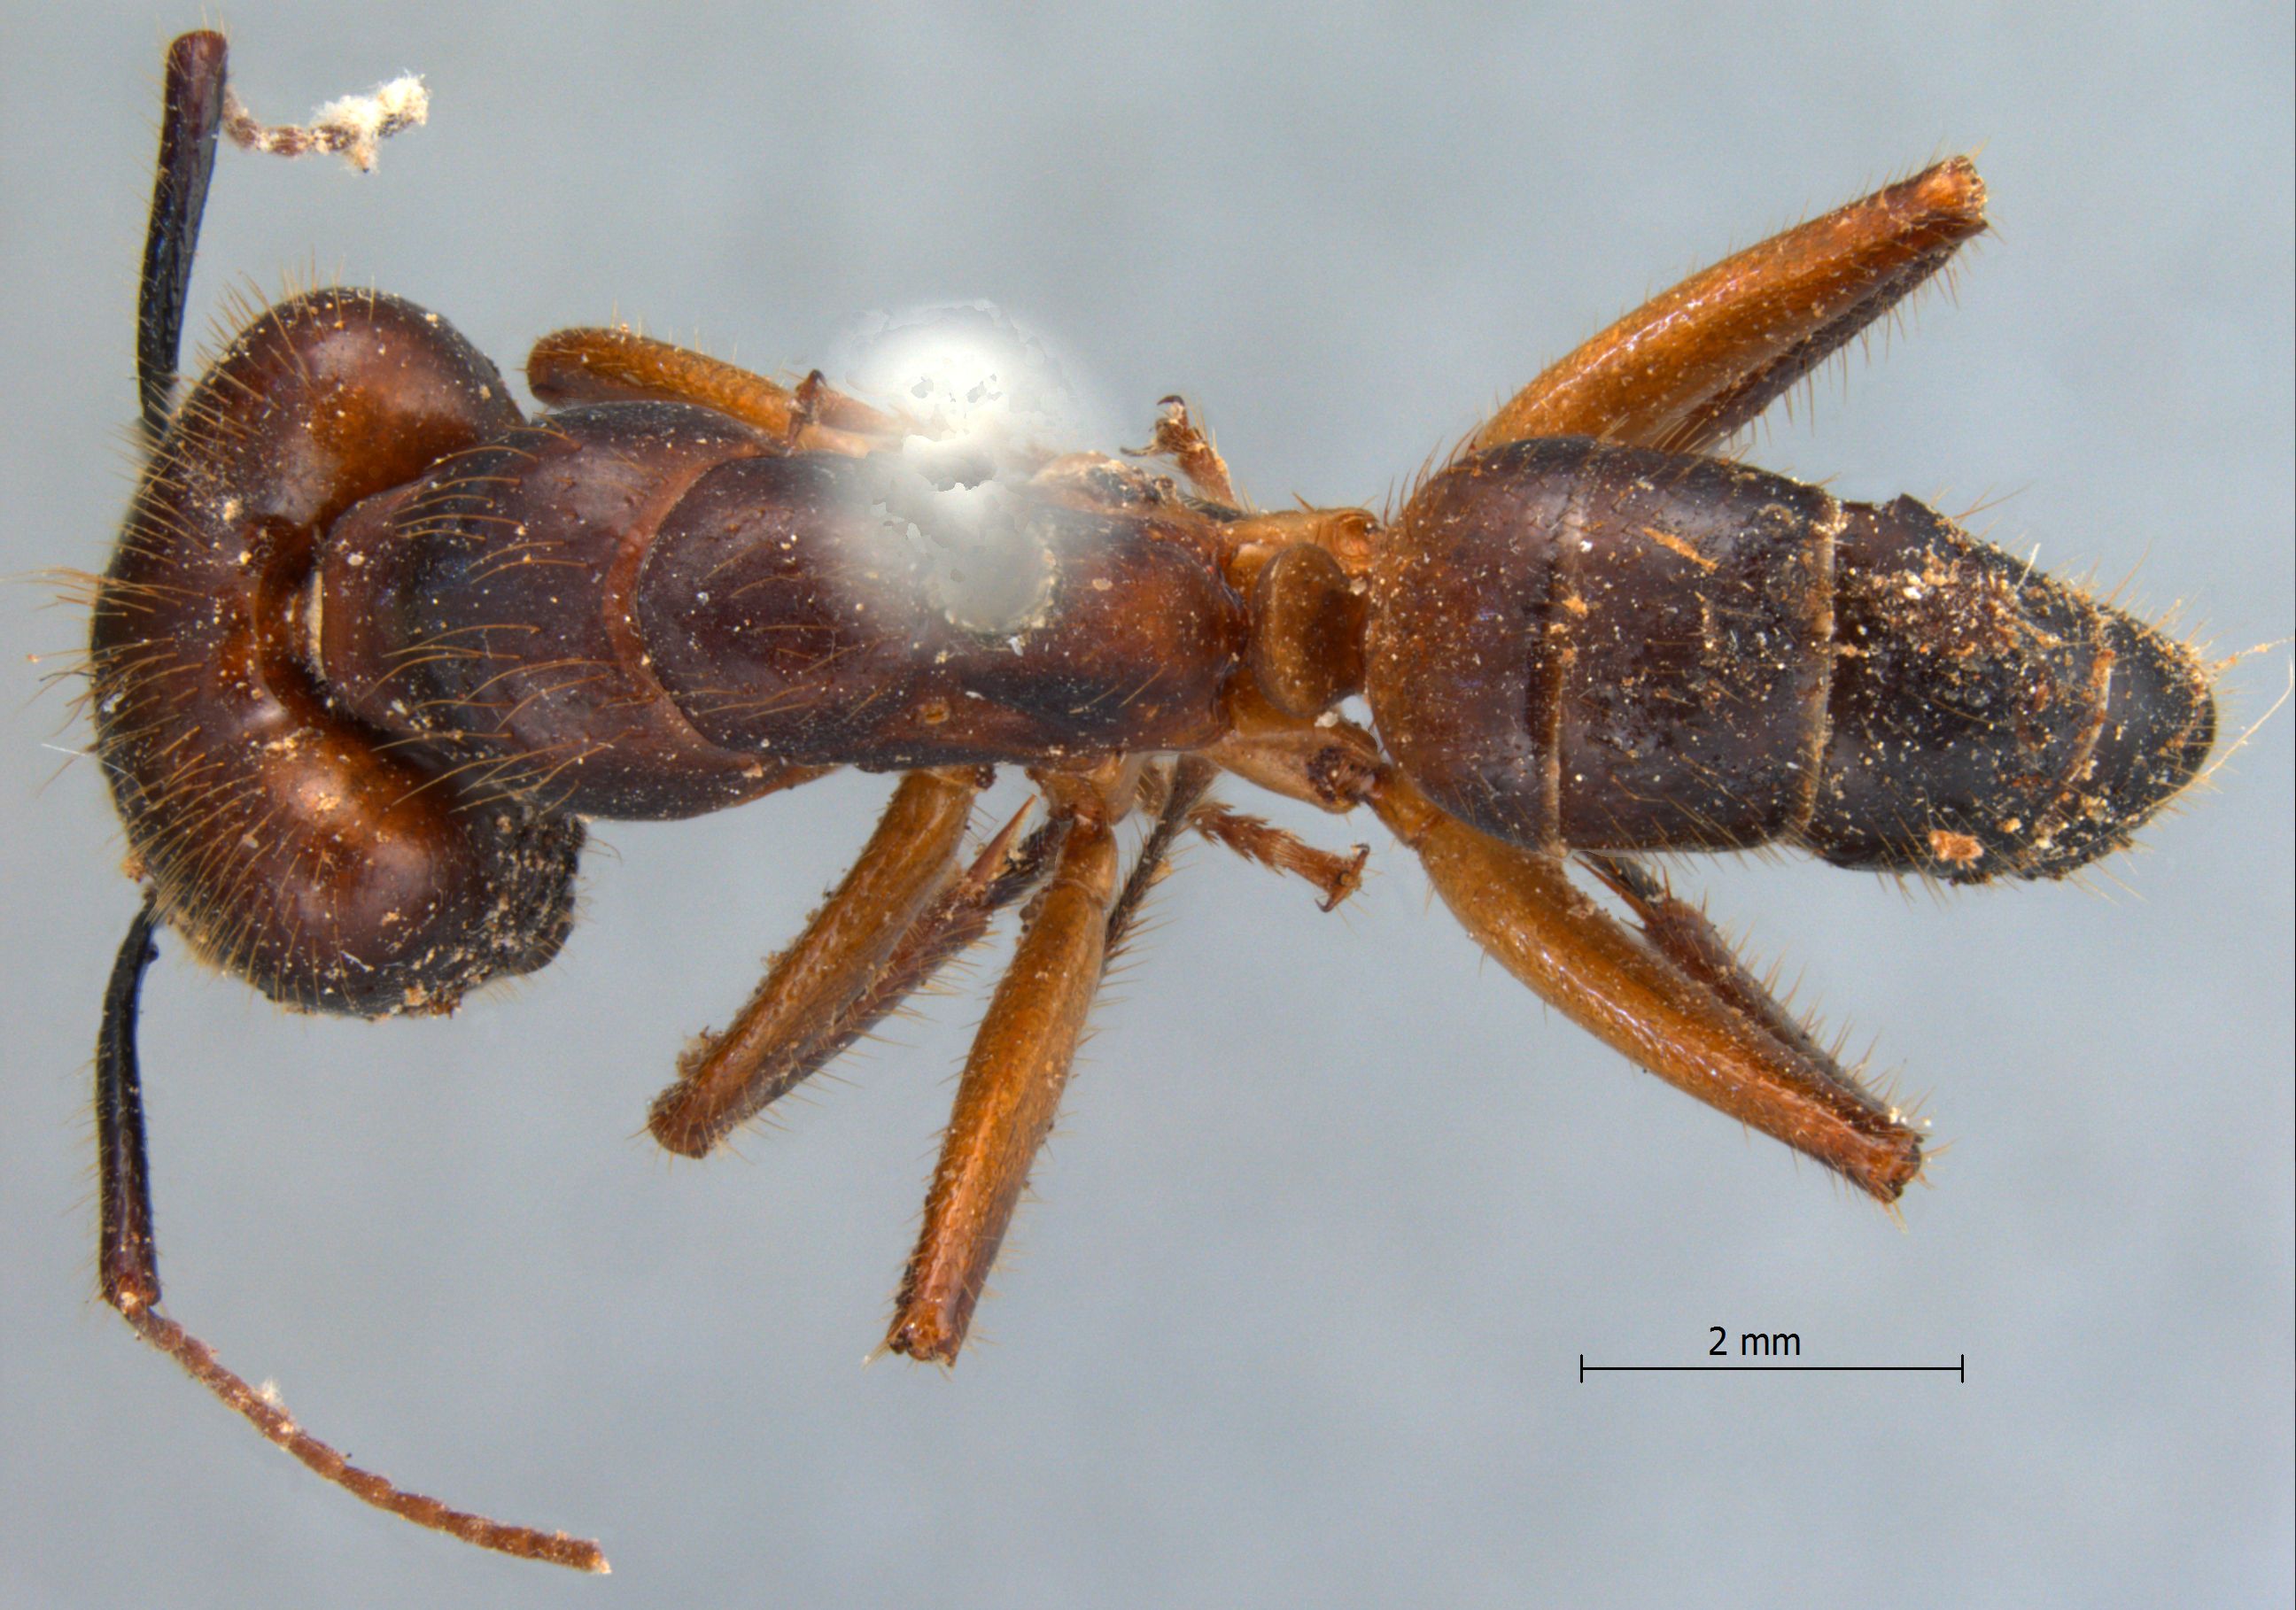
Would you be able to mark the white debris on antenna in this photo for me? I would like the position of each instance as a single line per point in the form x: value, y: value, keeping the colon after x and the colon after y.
x: 353, y: 127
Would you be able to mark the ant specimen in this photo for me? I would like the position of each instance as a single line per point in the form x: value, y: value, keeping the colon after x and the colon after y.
x: 373, y: 644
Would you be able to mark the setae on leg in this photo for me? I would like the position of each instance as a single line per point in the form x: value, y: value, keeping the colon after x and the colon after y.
x: 1691, y: 366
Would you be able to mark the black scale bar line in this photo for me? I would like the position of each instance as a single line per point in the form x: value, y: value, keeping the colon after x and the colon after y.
x: 1958, y: 1370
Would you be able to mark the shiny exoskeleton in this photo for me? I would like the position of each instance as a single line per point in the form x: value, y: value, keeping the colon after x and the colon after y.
x: 374, y: 643
x: 354, y: 714
x: 1645, y: 651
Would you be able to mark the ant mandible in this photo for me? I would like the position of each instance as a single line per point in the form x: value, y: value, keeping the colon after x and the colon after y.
x: 373, y: 644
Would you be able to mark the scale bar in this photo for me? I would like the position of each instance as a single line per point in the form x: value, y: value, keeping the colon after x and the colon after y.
x: 1959, y: 1369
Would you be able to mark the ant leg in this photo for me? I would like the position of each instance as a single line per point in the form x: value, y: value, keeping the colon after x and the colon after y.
x: 1683, y: 373
x: 129, y: 1263
x: 598, y: 365
x: 1020, y: 1059
x: 1000, y: 874
x: 1179, y: 790
x: 1686, y: 369
x: 1671, y: 999
x: 1255, y: 838
x: 1180, y: 438
x: 730, y: 1077
x: 1683, y: 934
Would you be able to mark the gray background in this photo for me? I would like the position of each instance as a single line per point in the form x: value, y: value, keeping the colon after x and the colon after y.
x: 1333, y: 1210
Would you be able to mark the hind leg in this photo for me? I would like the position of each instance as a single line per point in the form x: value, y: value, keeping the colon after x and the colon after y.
x: 1690, y: 367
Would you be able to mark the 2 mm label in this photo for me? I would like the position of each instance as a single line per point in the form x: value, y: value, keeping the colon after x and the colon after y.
x: 1756, y: 1343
